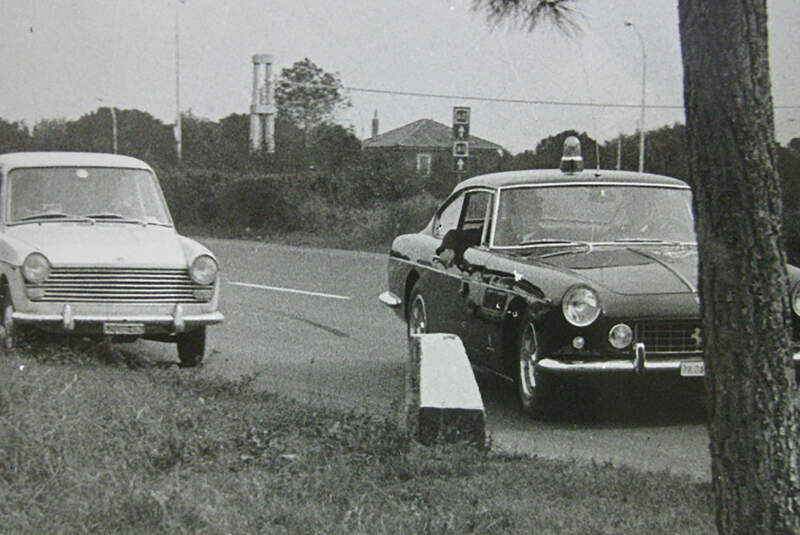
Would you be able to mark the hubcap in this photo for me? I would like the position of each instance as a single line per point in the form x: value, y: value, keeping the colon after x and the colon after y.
x: 418, y: 322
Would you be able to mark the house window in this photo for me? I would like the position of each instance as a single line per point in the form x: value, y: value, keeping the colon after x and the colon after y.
x: 424, y: 164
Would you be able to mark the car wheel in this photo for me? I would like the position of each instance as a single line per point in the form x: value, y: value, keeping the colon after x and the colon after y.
x: 192, y: 347
x: 534, y: 387
x: 417, y: 313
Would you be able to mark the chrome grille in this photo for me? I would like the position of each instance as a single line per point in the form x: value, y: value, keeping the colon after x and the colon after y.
x: 126, y: 285
x: 669, y: 336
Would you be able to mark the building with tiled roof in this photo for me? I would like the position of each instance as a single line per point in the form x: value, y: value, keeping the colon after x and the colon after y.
x: 427, y: 147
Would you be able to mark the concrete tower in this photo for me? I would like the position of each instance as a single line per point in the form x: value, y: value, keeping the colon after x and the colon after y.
x: 375, y: 124
x: 262, y: 110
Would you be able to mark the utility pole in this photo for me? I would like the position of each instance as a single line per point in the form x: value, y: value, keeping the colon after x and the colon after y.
x: 178, y: 133
x: 644, y: 82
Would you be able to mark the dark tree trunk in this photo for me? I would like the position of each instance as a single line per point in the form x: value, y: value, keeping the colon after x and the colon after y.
x: 744, y: 290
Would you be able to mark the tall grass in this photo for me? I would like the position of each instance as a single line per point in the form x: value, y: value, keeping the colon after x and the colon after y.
x: 96, y: 440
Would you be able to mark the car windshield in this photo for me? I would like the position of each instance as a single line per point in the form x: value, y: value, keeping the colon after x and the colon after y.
x: 547, y: 215
x: 97, y: 193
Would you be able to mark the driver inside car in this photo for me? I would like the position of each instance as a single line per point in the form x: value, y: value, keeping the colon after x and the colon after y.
x: 520, y: 218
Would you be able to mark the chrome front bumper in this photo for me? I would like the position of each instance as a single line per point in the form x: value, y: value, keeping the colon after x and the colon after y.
x: 612, y: 366
x: 177, y: 321
x: 624, y: 366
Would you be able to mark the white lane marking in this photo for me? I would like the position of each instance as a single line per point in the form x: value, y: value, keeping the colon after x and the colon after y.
x: 289, y: 290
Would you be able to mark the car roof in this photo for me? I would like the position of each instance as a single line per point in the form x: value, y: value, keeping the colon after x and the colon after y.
x: 556, y: 176
x: 69, y: 159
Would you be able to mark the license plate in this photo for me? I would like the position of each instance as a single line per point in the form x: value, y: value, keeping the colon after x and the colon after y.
x: 693, y: 369
x: 123, y: 328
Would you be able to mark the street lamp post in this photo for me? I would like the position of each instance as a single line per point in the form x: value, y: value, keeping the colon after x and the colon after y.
x: 630, y: 24
x: 178, y: 133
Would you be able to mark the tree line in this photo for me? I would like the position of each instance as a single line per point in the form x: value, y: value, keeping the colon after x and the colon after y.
x: 223, y: 185
x: 318, y: 174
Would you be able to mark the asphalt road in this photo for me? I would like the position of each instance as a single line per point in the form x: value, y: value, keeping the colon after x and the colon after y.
x: 307, y: 323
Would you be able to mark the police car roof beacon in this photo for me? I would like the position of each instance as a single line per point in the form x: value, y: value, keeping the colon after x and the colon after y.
x: 571, y: 158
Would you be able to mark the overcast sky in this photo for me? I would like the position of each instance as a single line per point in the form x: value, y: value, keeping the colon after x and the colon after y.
x: 58, y: 57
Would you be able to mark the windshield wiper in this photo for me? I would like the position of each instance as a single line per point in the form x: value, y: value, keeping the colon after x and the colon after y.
x: 554, y: 241
x: 558, y: 243
x: 639, y: 240
x: 658, y: 241
x: 53, y: 215
x: 117, y: 217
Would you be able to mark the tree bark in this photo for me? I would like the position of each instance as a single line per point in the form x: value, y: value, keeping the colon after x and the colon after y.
x: 744, y: 291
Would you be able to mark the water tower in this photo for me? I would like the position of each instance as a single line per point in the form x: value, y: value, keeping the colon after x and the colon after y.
x: 262, y: 109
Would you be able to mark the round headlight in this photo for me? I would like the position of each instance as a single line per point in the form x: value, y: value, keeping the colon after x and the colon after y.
x: 796, y: 299
x: 203, y: 270
x: 36, y: 268
x: 580, y: 306
x: 620, y: 336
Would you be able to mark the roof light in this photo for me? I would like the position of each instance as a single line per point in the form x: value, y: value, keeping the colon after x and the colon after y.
x: 571, y: 158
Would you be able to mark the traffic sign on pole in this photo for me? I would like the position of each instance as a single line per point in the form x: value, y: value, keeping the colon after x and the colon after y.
x: 461, y: 122
x: 461, y: 116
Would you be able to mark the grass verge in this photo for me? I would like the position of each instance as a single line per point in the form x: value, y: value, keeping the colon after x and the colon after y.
x: 94, y: 440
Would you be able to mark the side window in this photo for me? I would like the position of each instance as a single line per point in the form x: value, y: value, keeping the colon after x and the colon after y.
x: 476, y: 214
x: 448, y: 217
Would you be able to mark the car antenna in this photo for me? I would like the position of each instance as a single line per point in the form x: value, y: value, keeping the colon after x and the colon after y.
x: 597, y: 153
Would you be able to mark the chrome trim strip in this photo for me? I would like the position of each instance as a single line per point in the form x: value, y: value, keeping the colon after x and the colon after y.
x: 458, y: 276
x: 572, y: 244
x: 585, y: 182
x: 420, y: 265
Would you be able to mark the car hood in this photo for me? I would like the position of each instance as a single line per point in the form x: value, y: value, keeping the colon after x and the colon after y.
x: 631, y: 270
x: 117, y: 244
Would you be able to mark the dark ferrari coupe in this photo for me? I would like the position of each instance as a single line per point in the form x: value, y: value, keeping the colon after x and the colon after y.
x: 550, y: 273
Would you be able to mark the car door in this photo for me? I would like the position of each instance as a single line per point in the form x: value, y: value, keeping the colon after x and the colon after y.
x: 486, y: 293
x: 440, y: 283
x: 472, y: 292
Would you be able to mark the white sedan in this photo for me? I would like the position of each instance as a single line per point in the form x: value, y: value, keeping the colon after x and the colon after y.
x: 87, y: 246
